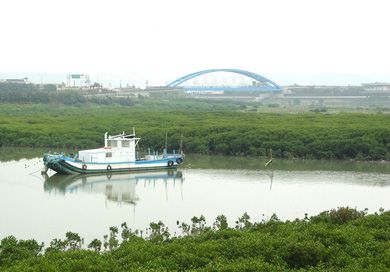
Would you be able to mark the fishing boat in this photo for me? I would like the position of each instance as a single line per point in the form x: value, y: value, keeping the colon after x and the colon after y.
x: 118, y: 155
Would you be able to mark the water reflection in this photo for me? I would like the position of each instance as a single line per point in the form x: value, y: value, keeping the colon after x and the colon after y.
x: 116, y: 187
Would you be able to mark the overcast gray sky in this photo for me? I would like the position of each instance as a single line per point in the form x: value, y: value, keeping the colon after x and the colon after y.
x: 289, y: 41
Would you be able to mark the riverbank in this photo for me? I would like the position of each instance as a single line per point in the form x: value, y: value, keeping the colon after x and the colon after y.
x: 200, y: 161
x: 338, y: 240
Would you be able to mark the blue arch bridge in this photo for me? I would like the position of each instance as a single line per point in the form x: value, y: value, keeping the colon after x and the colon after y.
x: 259, y: 83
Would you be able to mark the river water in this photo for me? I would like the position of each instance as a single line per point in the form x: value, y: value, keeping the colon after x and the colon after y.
x: 46, y: 207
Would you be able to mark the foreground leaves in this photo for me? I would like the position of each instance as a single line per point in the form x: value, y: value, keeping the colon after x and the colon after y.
x: 338, y: 240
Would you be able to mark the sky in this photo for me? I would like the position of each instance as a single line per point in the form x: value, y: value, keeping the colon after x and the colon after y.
x: 301, y: 41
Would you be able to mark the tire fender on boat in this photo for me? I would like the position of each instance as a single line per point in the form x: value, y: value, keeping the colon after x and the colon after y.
x: 170, y: 163
x: 84, y: 167
x: 179, y: 160
x: 109, y: 168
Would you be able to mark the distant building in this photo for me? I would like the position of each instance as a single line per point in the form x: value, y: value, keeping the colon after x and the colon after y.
x: 17, y: 81
x: 377, y: 87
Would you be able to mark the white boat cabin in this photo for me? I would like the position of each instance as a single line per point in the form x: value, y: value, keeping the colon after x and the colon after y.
x: 117, y: 148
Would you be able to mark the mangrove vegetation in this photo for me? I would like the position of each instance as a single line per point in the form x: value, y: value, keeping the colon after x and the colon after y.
x: 207, y: 128
x: 342, y: 239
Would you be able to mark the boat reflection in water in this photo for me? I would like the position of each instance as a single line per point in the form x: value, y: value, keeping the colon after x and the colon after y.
x: 116, y: 187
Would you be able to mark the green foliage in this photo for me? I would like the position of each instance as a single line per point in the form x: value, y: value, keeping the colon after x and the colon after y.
x: 309, y: 135
x: 342, y: 239
x: 113, y: 240
x: 73, y: 241
x: 340, y: 216
x: 126, y: 233
x: 185, y: 228
x: 198, y: 225
x: 243, y: 222
x: 13, y: 250
x: 96, y: 245
x: 158, y: 232
x: 56, y: 245
x: 304, y: 254
x: 221, y: 222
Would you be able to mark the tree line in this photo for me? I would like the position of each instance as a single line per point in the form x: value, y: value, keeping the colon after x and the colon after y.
x: 307, y: 135
x: 48, y: 94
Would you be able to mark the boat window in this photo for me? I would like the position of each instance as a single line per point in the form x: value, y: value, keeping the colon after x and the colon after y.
x: 112, y: 143
x: 125, y: 144
x: 108, y: 155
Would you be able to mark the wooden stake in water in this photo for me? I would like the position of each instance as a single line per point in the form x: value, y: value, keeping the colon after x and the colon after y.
x: 270, y: 160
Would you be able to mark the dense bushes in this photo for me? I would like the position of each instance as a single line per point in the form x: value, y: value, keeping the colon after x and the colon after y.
x: 359, y: 242
x: 48, y: 94
x: 73, y: 98
x: 309, y: 135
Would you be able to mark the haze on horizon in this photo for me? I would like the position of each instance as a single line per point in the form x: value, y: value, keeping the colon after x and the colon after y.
x: 306, y: 42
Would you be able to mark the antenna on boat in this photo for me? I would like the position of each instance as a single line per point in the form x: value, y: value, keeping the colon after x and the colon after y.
x: 134, y: 131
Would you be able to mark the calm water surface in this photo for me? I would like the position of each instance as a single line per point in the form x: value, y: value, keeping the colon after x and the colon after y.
x: 46, y: 207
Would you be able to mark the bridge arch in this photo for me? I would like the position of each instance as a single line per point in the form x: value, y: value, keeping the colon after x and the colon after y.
x: 269, y: 85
